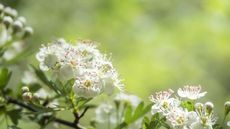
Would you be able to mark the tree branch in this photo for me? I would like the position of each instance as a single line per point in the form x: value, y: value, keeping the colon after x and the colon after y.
x: 30, y: 108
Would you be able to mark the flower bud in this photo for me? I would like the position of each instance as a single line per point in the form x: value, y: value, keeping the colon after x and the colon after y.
x: 22, y: 19
x: 7, y: 21
x: 36, y: 96
x: 25, y: 89
x: 10, y: 12
x: 28, y: 32
x: 27, y: 96
x: 209, y: 107
x: 227, y: 107
x: 17, y: 26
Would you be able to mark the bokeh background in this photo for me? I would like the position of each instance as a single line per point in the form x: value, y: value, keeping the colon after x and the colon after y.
x: 155, y: 44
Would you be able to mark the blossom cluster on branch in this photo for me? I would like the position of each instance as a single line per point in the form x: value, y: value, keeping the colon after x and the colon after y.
x: 93, y: 72
x: 76, y: 78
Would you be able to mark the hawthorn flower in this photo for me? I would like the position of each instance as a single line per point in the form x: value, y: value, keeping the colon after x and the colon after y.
x: 88, y: 85
x: 51, y: 55
x: 163, y: 103
x: 191, y: 92
x: 93, y: 72
x: 205, y: 119
x: 181, y: 118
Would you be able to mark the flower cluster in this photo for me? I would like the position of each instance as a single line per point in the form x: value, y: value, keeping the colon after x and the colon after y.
x: 12, y: 25
x: 93, y: 72
x: 181, y: 112
x: 13, y: 31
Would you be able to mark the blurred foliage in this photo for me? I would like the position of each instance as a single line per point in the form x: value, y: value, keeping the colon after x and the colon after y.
x: 155, y: 44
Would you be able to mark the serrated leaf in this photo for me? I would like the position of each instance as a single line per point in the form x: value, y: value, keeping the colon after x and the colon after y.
x: 4, y: 77
x: 14, y: 115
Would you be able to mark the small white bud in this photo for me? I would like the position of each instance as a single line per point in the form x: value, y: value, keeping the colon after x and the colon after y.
x: 227, y: 107
x: 36, y: 98
x: 28, y: 32
x: 17, y: 26
x: 22, y: 19
x: 25, y: 89
x: 7, y: 21
x: 27, y: 96
x: 10, y: 12
x: 209, y: 107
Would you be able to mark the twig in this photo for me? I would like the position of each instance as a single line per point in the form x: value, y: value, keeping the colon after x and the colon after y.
x: 28, y: 107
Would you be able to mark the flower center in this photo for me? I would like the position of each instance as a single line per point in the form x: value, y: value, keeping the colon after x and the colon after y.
x: 180, y: 120
x: 165, y: 104
x: 87, y: 83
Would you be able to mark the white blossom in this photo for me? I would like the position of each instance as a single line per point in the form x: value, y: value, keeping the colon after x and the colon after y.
x: 163, y: 103
x: 93, y: 72
x: 191, y: 92
x: 180, y: 118
x: 88, y: 84
x: 205, y: 119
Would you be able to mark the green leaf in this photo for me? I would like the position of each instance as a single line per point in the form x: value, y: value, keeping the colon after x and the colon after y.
x: 40, y: 74
x: 128, y: 114
x: 140, y: 111
x: 14, y: 115
x: 4, y: 77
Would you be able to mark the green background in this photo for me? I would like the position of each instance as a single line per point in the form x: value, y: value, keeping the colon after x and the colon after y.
x: 155, y: 44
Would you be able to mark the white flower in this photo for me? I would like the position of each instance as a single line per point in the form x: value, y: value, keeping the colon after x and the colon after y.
x: 205, y: 119
x: 163, y: 103
x: 180, y: 118
x: 132, y: 99
x: 191, y: 92
x: 92, y: 71
x: 88, y: 84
